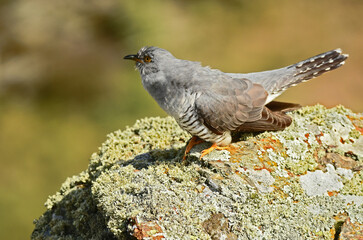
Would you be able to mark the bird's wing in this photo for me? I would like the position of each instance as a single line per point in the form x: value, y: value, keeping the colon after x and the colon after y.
x: 224, y: 103
x: 269, y: 121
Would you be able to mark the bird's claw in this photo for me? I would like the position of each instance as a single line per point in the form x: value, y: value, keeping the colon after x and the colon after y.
x: 193, y: 141
x: 214, y: 146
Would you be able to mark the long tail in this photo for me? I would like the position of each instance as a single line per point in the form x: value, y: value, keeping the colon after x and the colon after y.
x: 316, y: 66
x: 277, y: 81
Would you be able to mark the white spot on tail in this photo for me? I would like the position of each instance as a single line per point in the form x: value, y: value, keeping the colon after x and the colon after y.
x: 320, y: 64
x: 322, y: 56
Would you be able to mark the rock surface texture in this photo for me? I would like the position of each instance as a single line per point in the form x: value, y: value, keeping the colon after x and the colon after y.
x: 305, y: 182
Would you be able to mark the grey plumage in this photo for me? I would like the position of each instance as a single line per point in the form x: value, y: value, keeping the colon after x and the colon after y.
x: 212, y: 104
x: 277, y: 81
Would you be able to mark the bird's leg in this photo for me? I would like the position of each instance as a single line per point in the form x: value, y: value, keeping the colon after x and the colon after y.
x: 193, y: 141
x: 214, y: 146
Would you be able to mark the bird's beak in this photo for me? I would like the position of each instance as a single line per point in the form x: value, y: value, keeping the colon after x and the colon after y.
x: 133, y: 57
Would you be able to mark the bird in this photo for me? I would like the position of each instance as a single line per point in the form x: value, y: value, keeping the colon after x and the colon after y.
x: 212, y: 105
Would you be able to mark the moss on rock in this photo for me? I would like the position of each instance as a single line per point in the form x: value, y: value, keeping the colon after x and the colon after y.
x: 137, y: 184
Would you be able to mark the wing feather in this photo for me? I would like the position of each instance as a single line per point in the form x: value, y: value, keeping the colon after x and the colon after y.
x: 269, y: 121
x: 227, y: 104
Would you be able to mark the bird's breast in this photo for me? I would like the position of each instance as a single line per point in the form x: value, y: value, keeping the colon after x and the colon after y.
x: 170, y: 98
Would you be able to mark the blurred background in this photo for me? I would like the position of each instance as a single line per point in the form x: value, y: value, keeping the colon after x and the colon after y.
x: 64, y: 85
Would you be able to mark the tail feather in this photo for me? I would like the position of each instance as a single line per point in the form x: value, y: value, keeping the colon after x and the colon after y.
x: 284, y: 107
x: 277, y: 81
x: 317, y: 65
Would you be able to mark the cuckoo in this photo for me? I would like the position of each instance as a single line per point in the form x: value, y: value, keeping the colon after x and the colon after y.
x: 211, y: 104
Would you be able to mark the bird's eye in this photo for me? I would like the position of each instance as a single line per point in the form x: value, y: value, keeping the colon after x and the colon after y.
x: 147, y: 59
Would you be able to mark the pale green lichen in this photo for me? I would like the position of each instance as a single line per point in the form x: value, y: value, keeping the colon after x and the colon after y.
x: 314, y: 128
x: 138, y: 173
x: 354, y: 186
x: 174, y: 201
x: 153, y: 193
x: 355, y: 134
x: 71, y: 184
x: 72, y: 214
x: 146, y: 135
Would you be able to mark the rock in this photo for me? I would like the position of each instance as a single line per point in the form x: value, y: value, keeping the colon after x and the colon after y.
x: 301, y: 183
x: 351, y: 231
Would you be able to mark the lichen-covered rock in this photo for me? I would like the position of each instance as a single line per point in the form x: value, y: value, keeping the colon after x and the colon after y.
x: 301, y: 183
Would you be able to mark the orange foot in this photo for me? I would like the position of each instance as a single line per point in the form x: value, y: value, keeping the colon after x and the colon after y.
x: 194, y: 141
x: 214, y: 146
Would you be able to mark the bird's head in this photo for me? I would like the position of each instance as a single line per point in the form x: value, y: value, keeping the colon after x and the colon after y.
x: 150, y: 59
